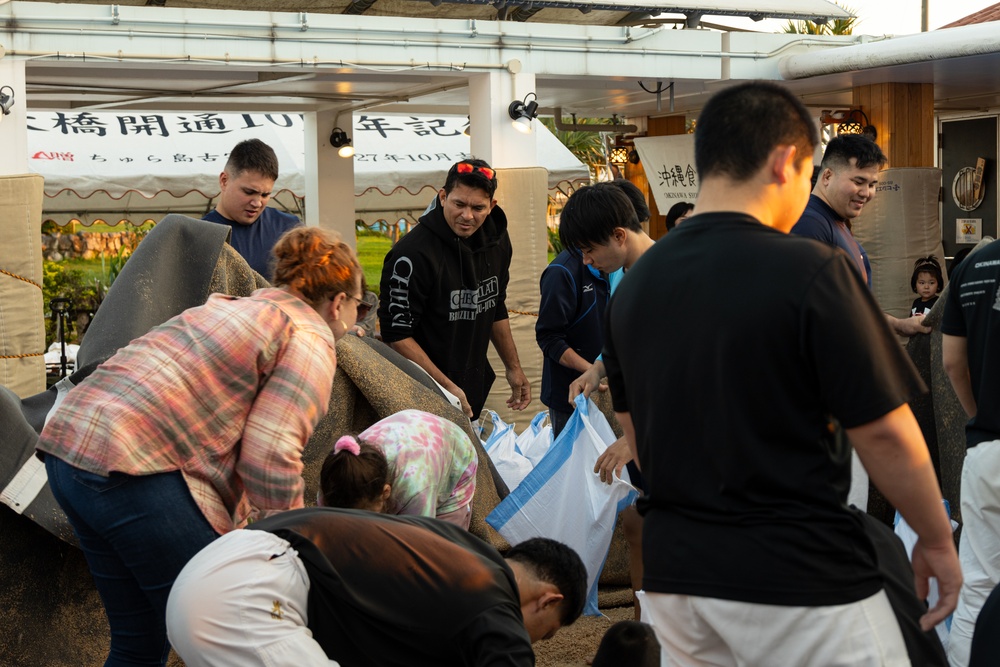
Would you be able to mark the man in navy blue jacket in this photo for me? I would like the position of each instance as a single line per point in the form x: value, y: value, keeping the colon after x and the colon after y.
x: 570, y: 319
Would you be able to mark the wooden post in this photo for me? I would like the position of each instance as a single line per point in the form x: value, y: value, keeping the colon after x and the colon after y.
x: 903, y: 114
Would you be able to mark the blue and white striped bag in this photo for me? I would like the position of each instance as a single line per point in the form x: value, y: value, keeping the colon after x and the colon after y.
x: 563, y: 499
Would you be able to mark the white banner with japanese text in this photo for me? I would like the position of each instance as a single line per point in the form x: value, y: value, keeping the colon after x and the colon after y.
x: 669, y: 165
x: 148, y: 153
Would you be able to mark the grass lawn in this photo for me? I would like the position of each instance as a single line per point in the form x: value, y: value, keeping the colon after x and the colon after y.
x: 372, y: 249
x: 91, y: 268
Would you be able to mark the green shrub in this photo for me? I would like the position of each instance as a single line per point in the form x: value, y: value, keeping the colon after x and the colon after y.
x: 85, y: 295
x: 116, y: 263
x: 555, y: 243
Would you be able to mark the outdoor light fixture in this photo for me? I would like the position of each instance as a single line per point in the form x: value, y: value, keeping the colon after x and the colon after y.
x: 851, y: 121
x: 6, y: 101
x: 618, y: 155
x: 522, y: 113
x: 618, y: 151
x: 342, y: 142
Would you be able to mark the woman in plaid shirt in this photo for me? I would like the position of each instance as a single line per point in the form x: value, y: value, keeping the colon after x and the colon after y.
x: 195, y: 428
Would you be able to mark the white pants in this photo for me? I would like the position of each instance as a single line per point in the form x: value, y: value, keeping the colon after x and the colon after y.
x: 241, y: 601
x: 979, y: 547
x: 695, y: 631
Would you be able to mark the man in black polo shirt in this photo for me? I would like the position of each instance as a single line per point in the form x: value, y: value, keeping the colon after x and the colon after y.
x: 971, y: 352
x: 750, y: 553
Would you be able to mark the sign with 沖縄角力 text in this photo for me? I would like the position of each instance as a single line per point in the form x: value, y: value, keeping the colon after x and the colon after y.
x: 669, y: 165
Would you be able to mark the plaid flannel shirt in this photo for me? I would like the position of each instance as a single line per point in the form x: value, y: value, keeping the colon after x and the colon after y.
x: 228, y: 393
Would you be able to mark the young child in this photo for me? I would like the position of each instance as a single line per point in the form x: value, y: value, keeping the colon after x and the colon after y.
x: 411, y: 462
x: 927, y: 282
x: 355, y: 475
x: 628, y: 643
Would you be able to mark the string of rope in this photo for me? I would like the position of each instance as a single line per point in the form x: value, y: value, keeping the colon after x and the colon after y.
x: 14, y: 275
x: 26, y: 354
x: 521, y: 312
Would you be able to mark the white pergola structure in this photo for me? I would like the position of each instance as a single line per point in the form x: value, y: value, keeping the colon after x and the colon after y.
x: 224, y: 56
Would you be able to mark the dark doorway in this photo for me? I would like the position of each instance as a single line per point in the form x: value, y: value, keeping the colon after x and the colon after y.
x: 963, y: 143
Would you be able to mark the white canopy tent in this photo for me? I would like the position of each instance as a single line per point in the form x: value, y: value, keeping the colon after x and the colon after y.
x: 136, y: 165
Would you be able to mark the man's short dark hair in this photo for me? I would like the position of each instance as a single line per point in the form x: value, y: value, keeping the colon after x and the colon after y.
x: 592, y: 213
x: 740, y: 127
x: 678, y: 211
x: 557, y: 564
x: 253, y: 155
x: 473, y: 178
x: 843, y: 147
x: 635, y: 196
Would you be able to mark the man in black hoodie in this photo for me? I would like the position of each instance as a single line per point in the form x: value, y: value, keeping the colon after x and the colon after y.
x: 443, y: 290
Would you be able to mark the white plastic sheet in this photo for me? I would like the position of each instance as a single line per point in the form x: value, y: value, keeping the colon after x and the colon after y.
x: 501, y: 446
x: 535, y: 440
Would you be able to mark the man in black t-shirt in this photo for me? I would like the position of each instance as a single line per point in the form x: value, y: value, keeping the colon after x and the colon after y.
x: 323, y: 586
x: 970, y: 349
x: 750, y: 553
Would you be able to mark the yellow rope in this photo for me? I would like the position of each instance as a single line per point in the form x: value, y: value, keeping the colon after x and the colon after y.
x: 521, y: 312
x: 14, y: 275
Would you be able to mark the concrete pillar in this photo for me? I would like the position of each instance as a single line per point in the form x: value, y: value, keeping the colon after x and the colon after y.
x: 522, y: 193
x: 903, y: 114
x: 493, y: 138
x: 14, y: 126
x: 329, y: 177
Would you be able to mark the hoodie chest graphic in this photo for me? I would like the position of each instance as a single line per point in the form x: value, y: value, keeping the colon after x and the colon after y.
x: 467, y: 304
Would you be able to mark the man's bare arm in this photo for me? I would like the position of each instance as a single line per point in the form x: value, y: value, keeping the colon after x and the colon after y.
x: 909, y: 326
x: 894, y: 453
x: 955, y: 358
x: 625, y: 419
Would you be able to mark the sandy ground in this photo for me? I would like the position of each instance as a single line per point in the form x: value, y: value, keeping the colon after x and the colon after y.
x: 573, y: 646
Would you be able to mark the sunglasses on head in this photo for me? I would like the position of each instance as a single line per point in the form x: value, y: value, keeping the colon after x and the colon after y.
x: 467, y: 168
